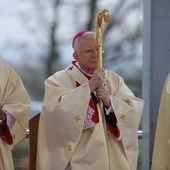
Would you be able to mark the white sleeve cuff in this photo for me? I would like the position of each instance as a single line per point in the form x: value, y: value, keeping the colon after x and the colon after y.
x: 110, y: 109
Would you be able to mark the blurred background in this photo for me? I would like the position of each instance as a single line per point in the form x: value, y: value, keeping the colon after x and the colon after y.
x: 36, y: 37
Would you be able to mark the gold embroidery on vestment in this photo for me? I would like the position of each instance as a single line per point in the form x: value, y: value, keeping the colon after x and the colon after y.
x: 70, y: 148
x: 122, y: 116
x: 77, y: 118
x: 84, y: 85
x: 129, y: 147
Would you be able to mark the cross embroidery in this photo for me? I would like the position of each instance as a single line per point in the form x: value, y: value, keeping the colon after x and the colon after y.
x: 70, y: 148
x: 77, y: 118
x: 70, y: 68
x: 122, y: 116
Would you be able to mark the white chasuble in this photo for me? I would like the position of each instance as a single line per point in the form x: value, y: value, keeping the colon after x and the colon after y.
x: 62, y: 139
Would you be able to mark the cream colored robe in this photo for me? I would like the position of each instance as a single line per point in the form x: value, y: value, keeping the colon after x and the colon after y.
x: 161, y: 151
x: 14, y: 99
x: 61, y: 137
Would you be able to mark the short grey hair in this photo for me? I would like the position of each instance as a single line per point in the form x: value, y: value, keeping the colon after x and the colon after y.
x: 86, y: 35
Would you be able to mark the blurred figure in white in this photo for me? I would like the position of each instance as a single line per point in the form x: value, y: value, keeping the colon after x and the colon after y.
x: 14, y: 113
x: 161, y: 151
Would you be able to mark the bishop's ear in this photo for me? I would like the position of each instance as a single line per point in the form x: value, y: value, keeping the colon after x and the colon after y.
x: 75, y: 55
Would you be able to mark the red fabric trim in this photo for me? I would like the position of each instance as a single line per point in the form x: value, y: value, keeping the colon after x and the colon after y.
x: 5, y: 132
x: 114, y: 130
x: 95, y: 117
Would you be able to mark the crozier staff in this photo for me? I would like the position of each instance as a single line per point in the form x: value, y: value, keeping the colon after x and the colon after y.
x: 104, y: 14
x: 73, y: 132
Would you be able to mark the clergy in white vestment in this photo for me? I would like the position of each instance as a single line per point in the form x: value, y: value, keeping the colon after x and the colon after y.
x: 89, y: 118
x: 161, y: 150
x: 14, y: 113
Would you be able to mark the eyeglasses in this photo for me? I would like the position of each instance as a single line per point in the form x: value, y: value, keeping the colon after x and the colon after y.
x: 89, y: 51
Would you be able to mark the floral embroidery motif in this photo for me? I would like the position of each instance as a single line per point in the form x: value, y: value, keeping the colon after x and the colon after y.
x: 88, y: 120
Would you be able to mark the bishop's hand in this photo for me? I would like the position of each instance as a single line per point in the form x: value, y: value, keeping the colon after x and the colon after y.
x: 102, y: 93
x: 97, y: 79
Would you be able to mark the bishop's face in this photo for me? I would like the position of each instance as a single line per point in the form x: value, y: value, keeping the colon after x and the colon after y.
x: 86, y: 54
